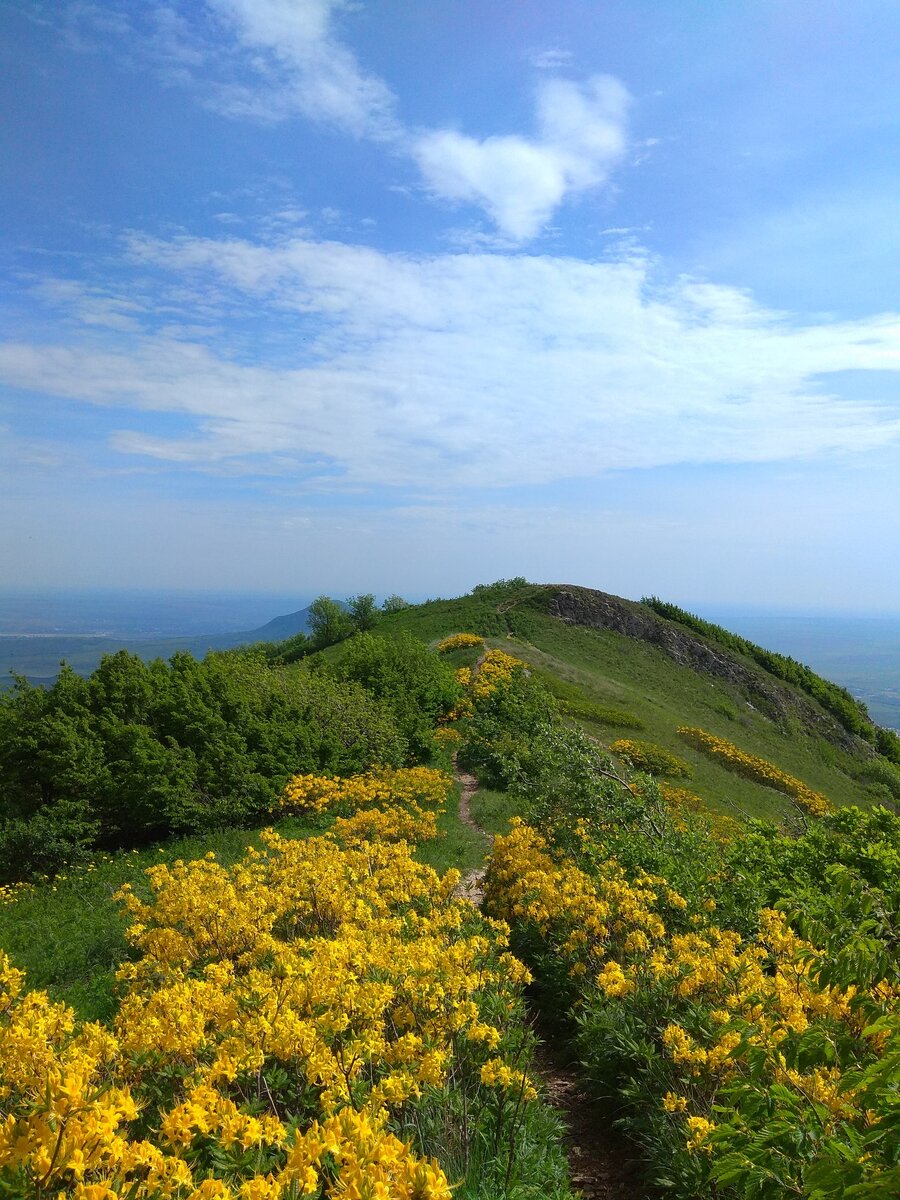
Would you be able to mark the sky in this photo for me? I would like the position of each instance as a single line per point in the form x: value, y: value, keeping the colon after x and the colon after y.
x: 313, y: 295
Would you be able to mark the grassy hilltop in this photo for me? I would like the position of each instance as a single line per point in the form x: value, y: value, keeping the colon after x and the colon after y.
x: 618, y: 685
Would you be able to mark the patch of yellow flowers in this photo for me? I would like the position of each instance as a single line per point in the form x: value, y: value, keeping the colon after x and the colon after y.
x: 740, y: 998
x: 382, y: 805
x: 496, y: 669
x: 278, y: 1019
x: 757, y: 769
x: 460, y: 641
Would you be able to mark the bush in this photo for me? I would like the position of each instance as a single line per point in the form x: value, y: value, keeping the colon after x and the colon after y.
x: 140, y: 751
x: 409, y: 679
x: 645, y: 756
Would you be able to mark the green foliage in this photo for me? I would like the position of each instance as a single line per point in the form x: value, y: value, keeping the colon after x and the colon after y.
x: 646, y: 756
x: 363, y: 613
x: 411, y: 680
x: 878, y: 771
x: 328, y: 622
x: 291, y: 650
x: 501, y: 587
x: 394, y: 604
x: 503, y: 728
x: 139, y: 751
x: 838, y: 882
x: 851, y: 712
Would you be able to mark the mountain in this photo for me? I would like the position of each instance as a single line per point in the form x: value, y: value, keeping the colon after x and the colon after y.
x: 279, y: 629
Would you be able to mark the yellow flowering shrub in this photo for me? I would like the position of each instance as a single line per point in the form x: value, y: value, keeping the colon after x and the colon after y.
x: 278, y: 1019
x: 460, y: 641
x: 757, y: 769
x: 733, y: 1002
x: 646, y: 756
x: 447, y: 738
x: 422, y: 787
x: 496, y: 669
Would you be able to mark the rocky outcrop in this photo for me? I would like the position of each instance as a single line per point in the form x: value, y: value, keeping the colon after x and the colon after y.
x: 780, y: 702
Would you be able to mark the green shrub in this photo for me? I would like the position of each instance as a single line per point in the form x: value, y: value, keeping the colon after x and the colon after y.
x: 655, y: 760
x: 140, y: 751
x: 411, y: 680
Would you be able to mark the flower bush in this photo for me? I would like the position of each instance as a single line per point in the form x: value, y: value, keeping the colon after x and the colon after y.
x: 757, y: 769
x: 645, y: 756
x: 460, y: 641
x: 314, y: 1021
x: 757, y: 1065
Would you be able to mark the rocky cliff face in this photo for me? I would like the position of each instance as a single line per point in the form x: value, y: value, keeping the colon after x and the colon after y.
x: 780, y: 702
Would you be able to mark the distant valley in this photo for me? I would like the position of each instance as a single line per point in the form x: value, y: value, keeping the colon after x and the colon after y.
x: 860, y: 653
x: 36, y: 654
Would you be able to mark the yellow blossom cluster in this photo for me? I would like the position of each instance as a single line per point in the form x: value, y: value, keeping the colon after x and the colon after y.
x: 496, y: 670
x: 423, y: 786
x: 382, y: 805
x: 740, y: 997
x: 447, y: 738
x: 583, y: 917
x: 10, y: 892
x: 757, y: 769
x: 277, y: 1018
x: 460, y: 641
x: 646, y: 756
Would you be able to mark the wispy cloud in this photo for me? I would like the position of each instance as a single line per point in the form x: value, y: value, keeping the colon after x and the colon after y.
x: 550, y: 60
x: 273, y: 60
x: 465, y: 369
x: 299, y: 65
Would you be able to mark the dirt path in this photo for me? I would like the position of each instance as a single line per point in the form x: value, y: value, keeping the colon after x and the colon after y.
x: 599, y: 1159
x: 471, y: 886
x: 601, y: 1162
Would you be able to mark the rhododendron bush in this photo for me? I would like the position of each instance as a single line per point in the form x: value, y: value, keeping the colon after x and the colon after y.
x: 313, y: 1021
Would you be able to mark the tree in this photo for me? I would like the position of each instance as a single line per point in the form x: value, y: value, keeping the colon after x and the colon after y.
x: 363, y: 613
x: 394, y: 604
x: 417, y: 685
x: 328, y: 622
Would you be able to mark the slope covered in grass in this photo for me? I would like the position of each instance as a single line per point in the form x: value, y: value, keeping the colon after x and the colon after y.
x: 613, y: 684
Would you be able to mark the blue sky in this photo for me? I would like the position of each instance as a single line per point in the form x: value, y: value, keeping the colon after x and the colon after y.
x: 304, y: 295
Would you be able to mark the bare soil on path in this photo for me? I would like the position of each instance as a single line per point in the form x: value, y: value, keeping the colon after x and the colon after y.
x: 471, y: 886
x: 601, y: 1162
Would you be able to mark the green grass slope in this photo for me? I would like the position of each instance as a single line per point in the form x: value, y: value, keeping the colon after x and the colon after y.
x: 616, y: 685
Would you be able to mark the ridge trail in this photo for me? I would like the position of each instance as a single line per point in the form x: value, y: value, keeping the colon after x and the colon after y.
x: 599, y: 1161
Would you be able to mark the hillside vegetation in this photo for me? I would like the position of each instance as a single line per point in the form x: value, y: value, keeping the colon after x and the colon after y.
x: 295, y: 997
x: 659, y: 678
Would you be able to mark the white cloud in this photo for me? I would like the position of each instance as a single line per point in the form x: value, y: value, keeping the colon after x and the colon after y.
x: 465, y: 370
x: 271, y: 60
x: 300, y: 66
x: 520, y: 182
